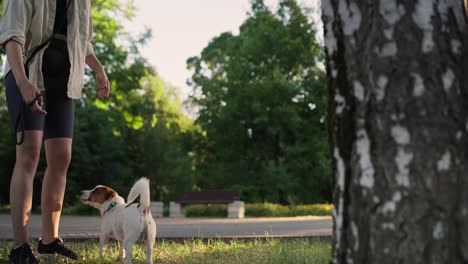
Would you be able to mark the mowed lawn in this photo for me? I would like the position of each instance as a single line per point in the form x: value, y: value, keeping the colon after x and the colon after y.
x: 198, y: 251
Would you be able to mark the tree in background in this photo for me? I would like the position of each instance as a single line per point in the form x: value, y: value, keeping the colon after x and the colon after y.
x: 261, y: 126
x: 262, y: 104
x: 139, y: 131
x: 399, y: 109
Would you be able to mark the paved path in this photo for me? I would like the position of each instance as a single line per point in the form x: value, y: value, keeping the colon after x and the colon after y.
x: 88, y: 227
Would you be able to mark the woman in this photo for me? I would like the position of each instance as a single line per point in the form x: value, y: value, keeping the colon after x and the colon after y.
x: 55, y: 36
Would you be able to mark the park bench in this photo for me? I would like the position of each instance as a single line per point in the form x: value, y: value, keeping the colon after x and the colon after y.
x: 210, y: 197
x: 230, y: 197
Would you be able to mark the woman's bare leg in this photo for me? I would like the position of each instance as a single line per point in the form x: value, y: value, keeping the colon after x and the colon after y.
x: 21, y: 187
x: 58, y: 155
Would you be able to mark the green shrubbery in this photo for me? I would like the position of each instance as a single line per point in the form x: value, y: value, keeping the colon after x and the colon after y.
x: 211, y: 210
x: 312, y: 209
x: 261, y: 210
x: 265, y: 210
x: 5, y: 209
x: 220, y: 210
x: 276, y: 210
x: 80, y: 209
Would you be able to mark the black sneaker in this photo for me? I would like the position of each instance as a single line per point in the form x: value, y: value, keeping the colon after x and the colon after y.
x: 23, y: 255
x: 56, y: 248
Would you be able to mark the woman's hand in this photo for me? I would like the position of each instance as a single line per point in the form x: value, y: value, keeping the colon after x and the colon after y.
x: 28, y: 90
x: 32, y: 96
x: 103, y: 84
x: 101, y: 77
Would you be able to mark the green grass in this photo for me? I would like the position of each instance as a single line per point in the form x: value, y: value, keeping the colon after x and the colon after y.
x: 212, y: 251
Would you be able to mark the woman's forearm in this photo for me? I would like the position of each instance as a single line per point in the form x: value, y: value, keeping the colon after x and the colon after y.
x: 101, y: 77
x: 14, y: 54
x: 94, y: 63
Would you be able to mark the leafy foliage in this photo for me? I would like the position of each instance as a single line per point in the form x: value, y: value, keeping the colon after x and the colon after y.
x: 262, y: 102
x: 260, y: 210
x: 210, y: 210
x: 139, y: 131
x: 268, y: 209
x: 260, y: 127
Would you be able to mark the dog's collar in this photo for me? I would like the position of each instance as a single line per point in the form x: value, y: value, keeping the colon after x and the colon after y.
x: 111, y: 205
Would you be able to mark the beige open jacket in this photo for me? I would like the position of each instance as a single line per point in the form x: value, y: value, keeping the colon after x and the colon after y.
x: 31, y: 22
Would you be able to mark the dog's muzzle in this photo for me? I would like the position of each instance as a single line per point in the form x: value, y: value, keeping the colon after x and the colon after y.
x: 84, y: 196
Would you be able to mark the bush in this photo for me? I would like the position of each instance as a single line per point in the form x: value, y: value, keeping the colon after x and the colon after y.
x: 276, y: 210
x: 166, y: 212
x: 220, y: 210
x: 211, y: 210
x: 312, y: 209
x: 80, y: 209
x: 5, y: 209
x: 265, y: 210
x: 260, y: 210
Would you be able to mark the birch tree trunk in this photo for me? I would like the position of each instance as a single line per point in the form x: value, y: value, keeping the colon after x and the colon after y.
x: 398, y: 125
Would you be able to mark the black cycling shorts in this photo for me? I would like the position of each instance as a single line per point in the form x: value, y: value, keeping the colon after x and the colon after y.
x: 58, y: 123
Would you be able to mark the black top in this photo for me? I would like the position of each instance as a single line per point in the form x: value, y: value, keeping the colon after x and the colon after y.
x: 60, y: 25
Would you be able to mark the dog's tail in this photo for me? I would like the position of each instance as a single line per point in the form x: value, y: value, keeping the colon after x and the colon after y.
x: 142, y: 188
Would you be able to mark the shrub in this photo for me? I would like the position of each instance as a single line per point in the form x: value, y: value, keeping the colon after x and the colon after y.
x: 166, y: 212
x: 312, y: 209
x: 265, y: 210
x: 80, y: 209
x: 220, y: 210
x: 276, y: 210
x: 5, y: 209
x: 211, y: 210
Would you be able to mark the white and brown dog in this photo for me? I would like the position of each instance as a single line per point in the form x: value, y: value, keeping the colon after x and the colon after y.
x: 125, y: 222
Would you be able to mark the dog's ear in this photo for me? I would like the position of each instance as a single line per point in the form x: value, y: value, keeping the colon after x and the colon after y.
x: 102, y: 194
x: 110, y: 193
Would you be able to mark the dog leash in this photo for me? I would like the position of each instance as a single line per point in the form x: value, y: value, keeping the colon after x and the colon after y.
x: 20, y: 117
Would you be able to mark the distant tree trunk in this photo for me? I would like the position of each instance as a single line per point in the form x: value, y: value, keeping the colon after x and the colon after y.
x: 398, y: 125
